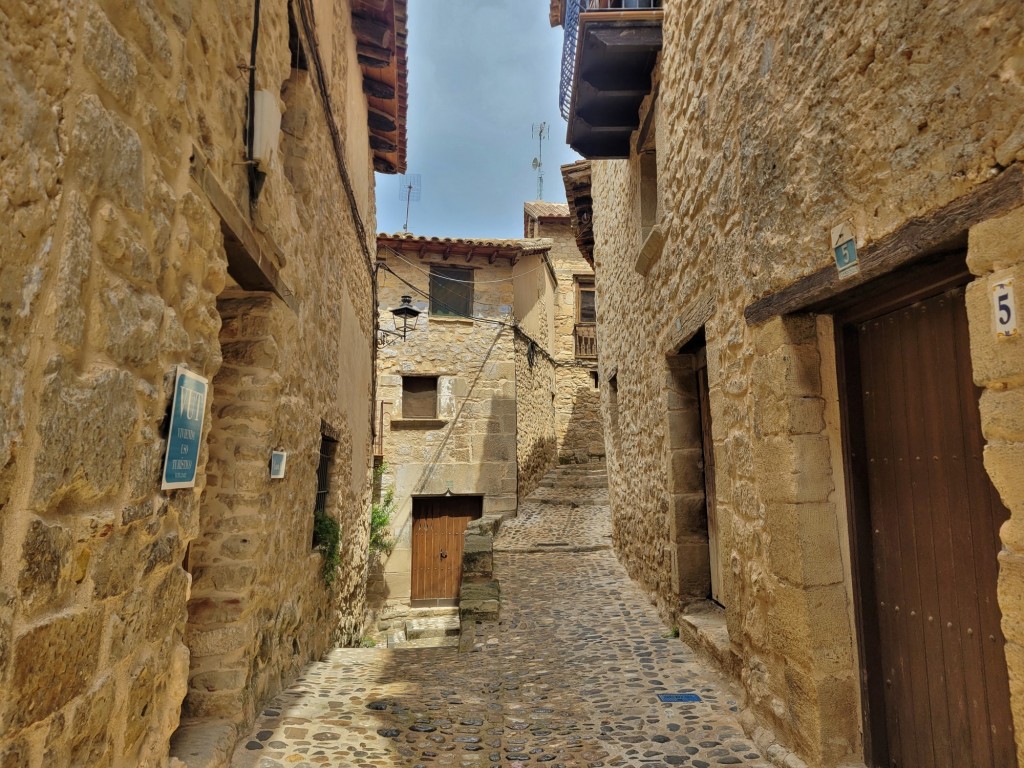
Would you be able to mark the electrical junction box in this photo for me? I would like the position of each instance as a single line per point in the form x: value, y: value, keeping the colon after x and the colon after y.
x: 266, y: 128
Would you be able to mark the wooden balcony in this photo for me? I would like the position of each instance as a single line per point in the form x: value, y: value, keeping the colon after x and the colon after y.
x: 586, y: 340
x: 610, y: 50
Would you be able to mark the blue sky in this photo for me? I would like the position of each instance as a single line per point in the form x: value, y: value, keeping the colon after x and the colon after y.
x: 481, y: 73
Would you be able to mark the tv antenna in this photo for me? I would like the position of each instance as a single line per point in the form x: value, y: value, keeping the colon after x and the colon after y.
x: 409, y: 192
x: 540, y: 132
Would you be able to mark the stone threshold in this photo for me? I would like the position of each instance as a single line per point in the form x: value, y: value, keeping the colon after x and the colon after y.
x: 203, y: 743
x: 703, y: 628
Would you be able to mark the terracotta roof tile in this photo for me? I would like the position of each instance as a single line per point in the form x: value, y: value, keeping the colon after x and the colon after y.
x: 539, y: 209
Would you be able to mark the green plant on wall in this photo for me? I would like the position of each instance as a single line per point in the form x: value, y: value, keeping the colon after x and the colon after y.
x: 382, y: 512
x: 327, y: 538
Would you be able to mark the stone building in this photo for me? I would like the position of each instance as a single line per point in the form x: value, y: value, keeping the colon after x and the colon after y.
x: 815, y: 473
x: 168, y: 239
x: 480, y: 399
x: 573, y: 345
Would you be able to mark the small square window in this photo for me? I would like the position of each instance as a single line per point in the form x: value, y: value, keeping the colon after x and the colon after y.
x: 419, y: 397
x: 451, y: 291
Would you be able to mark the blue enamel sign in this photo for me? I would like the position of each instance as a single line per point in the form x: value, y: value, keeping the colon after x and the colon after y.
x: 679, y: 698
x: 844, y: 248
x: 186, y: 430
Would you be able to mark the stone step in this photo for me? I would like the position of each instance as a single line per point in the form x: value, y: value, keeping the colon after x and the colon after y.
x: 595, y: 482
x: 448, y: 641
x: 396, y: 618
x: 436, y: 626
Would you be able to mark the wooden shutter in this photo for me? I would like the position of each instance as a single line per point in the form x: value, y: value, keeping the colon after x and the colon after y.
x: 419, y: 397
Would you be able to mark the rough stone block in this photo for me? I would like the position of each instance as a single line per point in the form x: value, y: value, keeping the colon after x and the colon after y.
x: 83, y: 433
x: 693, y: 564
x: 793, y: 469
x: 688, y: 515
x: 46, y: 552
x: 804, y: 547
x: 684, y: 428
x: 812, y: 626
x: 109, y: 57
x: 477, y: 559
x: 1002, y: 414
x: 65, y: 648
x: 72, y: 272
x: 687, y: 469
x: 1004, y: 461
x: 784, y: 330
x: 788, y: 370
x: 1011, y: 596
x: 107, y: 153
x: 994, y: 244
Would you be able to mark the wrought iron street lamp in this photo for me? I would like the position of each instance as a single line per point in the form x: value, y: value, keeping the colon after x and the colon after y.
x: 405, y: 317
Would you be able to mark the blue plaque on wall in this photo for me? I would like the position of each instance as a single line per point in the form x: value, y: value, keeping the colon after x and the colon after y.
x: 844, y: 248
x: 186, y: 430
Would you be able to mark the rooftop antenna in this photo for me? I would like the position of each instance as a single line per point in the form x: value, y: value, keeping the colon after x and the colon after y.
x: 540, y: 132
x: 409, y: 192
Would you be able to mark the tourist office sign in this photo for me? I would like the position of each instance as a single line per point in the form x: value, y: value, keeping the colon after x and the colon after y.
x: 186, y: 430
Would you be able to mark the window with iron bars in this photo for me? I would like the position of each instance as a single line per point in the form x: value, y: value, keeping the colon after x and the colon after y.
x: 323, y: 473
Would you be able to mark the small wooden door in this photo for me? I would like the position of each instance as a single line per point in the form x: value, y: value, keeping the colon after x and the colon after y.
x: 439, y: 524
x: 936, y: 669
x: 708, y: 451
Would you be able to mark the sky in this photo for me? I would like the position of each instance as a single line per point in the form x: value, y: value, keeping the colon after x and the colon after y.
x: 481, y: 74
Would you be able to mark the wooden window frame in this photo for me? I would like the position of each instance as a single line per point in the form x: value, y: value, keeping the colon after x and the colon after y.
x: 585, y: 284
x: 453, y: 281
x: 406, y: 402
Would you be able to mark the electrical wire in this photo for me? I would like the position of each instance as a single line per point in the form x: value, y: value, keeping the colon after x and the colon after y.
x: 432, y: 276
x: 441, y: 304
x: 455, y: 279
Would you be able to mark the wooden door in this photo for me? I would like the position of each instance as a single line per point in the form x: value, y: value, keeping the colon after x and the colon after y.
x: 934, y: 657
x: 708, y: 455
x: 439, y: 524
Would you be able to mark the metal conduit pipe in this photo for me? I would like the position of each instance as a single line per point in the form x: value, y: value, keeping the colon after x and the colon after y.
x: 256, y: 177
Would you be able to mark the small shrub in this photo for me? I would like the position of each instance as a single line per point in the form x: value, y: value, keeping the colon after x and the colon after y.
x: 381, y: 514
x: 327, y: 539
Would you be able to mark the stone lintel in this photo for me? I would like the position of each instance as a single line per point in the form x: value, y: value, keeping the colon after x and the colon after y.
x: 248, y: 251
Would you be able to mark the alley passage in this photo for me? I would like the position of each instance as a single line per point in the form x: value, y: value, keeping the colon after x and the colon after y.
x: 569, y: 678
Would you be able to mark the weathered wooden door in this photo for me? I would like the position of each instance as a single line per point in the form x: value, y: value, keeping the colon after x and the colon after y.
x: 936, y: 655
x: 708, y: 456
x: 439, y: 524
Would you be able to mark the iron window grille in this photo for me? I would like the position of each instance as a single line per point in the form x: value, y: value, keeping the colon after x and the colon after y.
x: 323, y: 473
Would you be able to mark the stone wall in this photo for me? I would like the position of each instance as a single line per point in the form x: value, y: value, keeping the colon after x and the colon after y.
x: 470, y: 449
x: 811, y: 115
x: 536, y: 412
x: 578, y: 415
x: 113, y: 265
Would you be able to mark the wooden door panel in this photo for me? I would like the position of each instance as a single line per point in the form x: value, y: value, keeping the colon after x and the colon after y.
x: 439, y: 527
x: 934, y: 520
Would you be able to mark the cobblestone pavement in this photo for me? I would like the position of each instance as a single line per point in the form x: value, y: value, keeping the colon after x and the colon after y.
x: 567, y: 679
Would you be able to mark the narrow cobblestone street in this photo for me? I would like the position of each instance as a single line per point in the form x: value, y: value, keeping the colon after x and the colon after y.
x: 568, y: 678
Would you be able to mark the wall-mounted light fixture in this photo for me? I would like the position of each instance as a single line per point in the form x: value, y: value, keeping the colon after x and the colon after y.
x: 405, y: 317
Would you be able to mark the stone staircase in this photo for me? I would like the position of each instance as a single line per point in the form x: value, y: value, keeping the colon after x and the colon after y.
x: 419, y: 628
x: 567, y: 512
x: 575, y: 476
